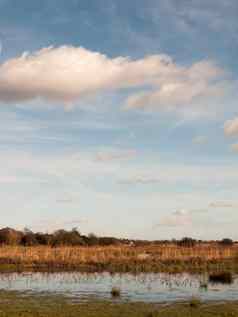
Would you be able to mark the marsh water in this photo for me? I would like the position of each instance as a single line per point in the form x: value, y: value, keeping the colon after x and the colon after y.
x: 147, y: 287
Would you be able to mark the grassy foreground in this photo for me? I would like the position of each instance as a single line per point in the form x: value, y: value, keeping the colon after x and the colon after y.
x: 15, y: 305
x: 158, y: 258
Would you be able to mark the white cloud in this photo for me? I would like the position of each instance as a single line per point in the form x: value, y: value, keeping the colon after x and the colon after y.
x: 178, y: 218
x: 68, y: 73
x: 231, y: 127
x: 182, y: 87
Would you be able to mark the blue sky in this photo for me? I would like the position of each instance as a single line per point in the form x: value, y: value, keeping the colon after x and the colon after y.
x: 120, y: 117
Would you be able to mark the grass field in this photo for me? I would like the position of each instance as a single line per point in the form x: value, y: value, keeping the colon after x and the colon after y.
x: 164, y: 258
x: 15, y: 305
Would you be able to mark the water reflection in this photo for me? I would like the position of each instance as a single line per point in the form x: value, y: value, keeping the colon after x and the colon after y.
x: 149, y: 287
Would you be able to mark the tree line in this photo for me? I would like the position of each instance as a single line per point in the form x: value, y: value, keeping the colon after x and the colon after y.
x: 62, y: 237
x: 9, y: 236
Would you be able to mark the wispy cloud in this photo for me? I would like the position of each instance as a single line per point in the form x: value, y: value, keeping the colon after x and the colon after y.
x: 65, y: 200
x: 200, y: 140
x: 181, y: 217
x: 115, y: 155
x: 178, y: 218
x: 50, y: 225
x: 90, y: 167
x: 141, y: 179
x: 222, y: 204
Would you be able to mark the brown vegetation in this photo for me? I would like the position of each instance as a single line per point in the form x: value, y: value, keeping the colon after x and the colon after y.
x: 164, y: 257
x: 69, y: 250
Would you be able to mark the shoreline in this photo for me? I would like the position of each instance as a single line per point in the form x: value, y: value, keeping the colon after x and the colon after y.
x: 20, y: 304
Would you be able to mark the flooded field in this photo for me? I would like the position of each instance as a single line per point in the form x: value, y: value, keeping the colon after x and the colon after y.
x: 157, y: 288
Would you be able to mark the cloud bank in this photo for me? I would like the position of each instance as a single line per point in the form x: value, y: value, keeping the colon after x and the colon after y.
x: 67, y: 74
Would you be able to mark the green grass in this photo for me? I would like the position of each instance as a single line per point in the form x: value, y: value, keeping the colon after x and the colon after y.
x: 13, y: 304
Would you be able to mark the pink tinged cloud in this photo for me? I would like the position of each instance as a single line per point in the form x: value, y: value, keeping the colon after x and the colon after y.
x: 68, y: 74
x: 231, y: 127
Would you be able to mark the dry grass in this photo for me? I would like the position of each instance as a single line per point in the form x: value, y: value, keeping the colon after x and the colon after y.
x: 117, y: 258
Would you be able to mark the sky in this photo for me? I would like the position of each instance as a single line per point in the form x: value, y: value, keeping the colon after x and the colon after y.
x: 120, y: 117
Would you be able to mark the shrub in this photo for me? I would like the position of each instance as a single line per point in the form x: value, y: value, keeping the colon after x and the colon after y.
x: 10, y: 236
x: 226, y: 242
x: 63, y: 237
x: 43, y: 238
x: 109, y: 241
x: 115, y: 292
x: 29, y: 239
x: 92, y: 239
x: 222, y: 277
x: 187, y: 242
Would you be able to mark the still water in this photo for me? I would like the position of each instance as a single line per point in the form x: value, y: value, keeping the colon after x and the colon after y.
x: 145, y: 287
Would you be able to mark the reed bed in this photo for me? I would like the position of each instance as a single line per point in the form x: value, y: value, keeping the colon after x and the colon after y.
x: 167, y: 257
